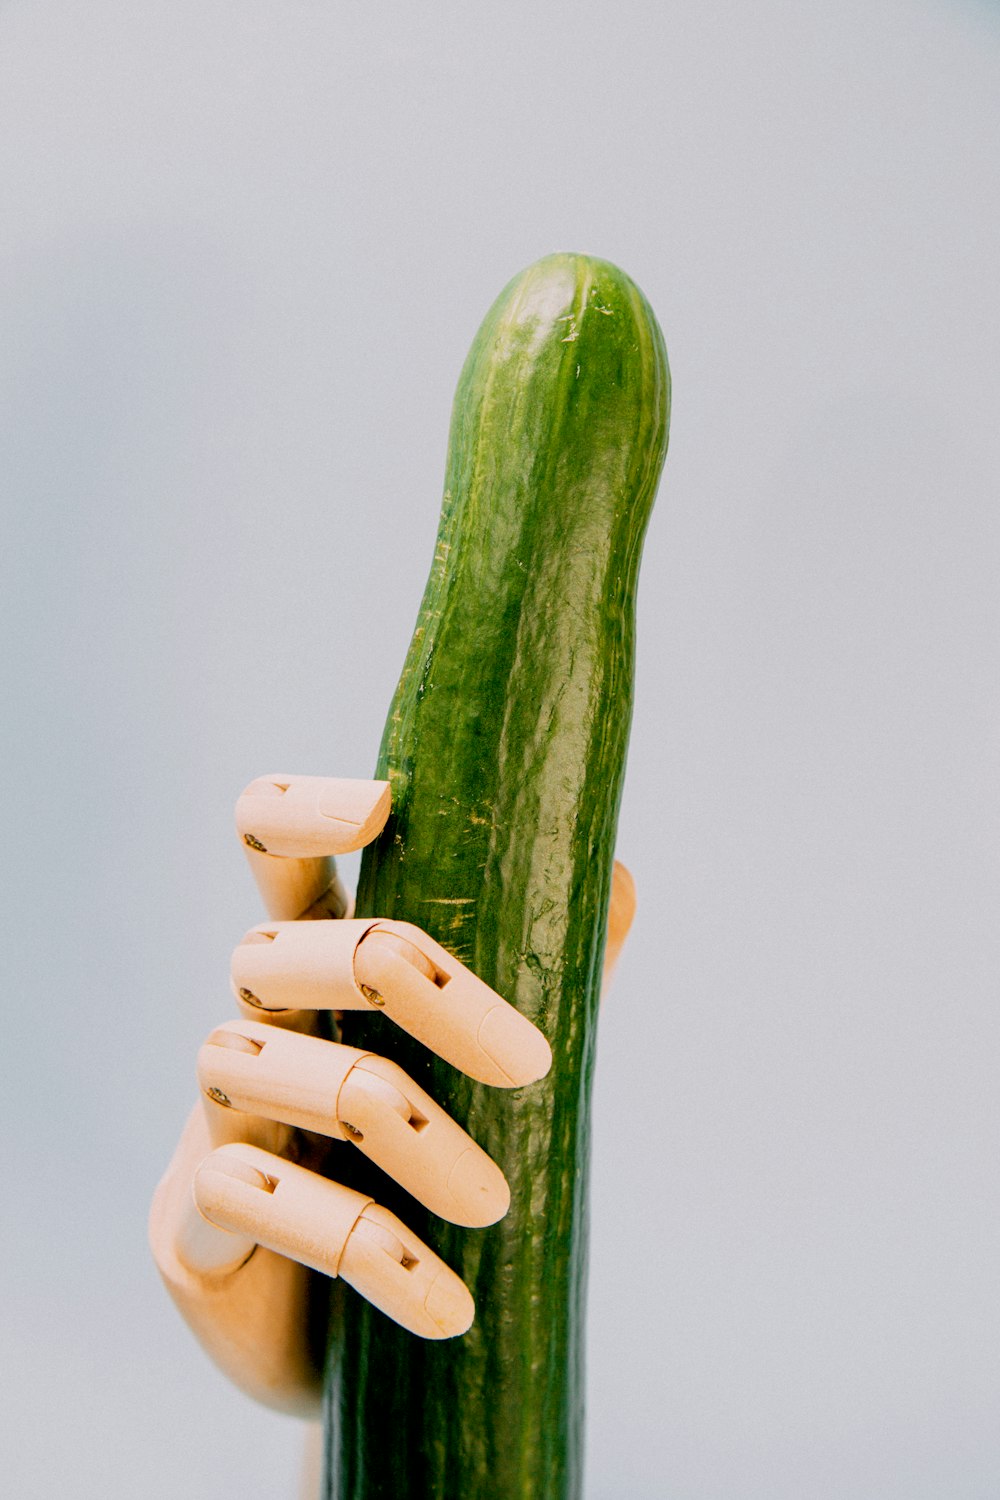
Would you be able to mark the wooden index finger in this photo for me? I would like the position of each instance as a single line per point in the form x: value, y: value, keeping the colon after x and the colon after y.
x: 292, y: 826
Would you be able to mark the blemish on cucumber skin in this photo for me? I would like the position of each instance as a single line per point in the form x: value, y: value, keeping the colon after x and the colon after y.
x: 574, y: 330
x: 599, y: 306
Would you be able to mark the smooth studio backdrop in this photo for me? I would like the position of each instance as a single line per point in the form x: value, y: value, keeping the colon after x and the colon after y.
x: 243, y: 250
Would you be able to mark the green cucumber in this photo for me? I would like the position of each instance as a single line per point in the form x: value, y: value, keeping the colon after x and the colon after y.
x: 505, y: 747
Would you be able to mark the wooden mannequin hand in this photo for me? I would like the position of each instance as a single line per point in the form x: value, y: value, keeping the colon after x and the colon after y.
x: 246, y: 1215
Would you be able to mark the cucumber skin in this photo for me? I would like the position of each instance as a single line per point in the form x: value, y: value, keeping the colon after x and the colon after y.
x: 505, y: 746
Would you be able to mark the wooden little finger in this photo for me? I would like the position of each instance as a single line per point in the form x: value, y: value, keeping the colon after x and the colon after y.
x: 333, y: 1229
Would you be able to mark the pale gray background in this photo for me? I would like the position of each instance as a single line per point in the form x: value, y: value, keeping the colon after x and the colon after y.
x: 244, y: 248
